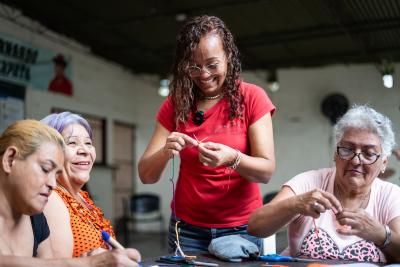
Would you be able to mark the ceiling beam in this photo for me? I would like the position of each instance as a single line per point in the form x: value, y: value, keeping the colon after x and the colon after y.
x: 272, y: 38
x: 325, y: 59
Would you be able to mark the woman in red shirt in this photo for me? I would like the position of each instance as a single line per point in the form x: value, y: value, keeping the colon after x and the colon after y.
x: 221, y: 128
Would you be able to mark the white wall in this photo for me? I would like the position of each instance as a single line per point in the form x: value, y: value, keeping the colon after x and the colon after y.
x: 101, y: 88
x: 301, y: 132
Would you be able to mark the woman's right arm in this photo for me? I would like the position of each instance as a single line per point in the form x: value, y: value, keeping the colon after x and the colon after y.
x: 115, y: 258
x: 268, y: 219
x: 162, y: 147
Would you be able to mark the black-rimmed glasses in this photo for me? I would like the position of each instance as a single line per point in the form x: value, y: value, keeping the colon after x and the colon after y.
x: 366, y: 158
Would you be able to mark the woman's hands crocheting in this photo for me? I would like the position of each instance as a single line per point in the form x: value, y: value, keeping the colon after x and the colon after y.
x: 361, y: 224
x: 176, y: 142
x: 315, y: 202
x: 215, y: 154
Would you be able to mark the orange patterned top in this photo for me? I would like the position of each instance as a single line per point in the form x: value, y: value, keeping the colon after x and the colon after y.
x: 87, y: 222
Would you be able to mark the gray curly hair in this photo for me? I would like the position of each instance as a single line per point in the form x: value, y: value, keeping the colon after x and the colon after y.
x: 364, y: 117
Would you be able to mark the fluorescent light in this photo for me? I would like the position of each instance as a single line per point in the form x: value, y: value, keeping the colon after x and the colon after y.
x: 163, y: 90
x: 272, y: 81
x: 387, y: 80
x: 273, y: 86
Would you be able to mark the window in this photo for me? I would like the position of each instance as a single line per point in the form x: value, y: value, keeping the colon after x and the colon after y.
x: 124, y: 161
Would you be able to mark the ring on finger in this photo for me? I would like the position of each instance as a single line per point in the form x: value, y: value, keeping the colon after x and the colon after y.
x: 315, y: 206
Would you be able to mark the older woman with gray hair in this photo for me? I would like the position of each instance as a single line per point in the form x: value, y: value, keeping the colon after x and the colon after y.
x: 344, y: 212
x: 31, y: 156
x: 75, y: 221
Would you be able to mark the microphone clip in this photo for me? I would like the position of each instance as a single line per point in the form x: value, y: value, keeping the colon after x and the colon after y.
x: 198, y: 117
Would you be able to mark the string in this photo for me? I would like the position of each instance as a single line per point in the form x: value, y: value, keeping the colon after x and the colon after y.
x: 172, y: 179
x: 336, y: 189
x: 321, y: 249
x: 178, y: 246
x: 227, y: 170
x: 173, y: 187
x: 200, y: 141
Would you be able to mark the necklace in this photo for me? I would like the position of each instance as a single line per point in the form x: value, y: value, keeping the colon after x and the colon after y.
x: 91, y: 217
x: 211, y: 97
x: 86, y: 206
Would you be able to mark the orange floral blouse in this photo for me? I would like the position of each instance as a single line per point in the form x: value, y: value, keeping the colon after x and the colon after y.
x: 87, y: 222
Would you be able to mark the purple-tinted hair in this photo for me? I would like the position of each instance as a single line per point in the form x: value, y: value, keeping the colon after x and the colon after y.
x: 60, y: 121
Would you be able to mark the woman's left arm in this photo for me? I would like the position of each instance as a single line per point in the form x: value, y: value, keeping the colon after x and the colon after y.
x: 392, y: 249
x: 256, y: 167
x: 369, y: 228
x: 260, y: 164
x: 61, y: 237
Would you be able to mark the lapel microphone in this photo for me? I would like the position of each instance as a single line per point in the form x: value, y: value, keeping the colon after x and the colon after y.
x: 198, y: 117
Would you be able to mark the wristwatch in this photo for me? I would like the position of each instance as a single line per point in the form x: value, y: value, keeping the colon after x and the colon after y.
x: 387, y: 238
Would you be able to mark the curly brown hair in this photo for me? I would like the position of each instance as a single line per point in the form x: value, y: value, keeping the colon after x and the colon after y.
x: 184, y: 93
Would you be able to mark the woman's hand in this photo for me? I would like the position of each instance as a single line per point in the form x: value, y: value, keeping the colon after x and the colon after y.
x: 215, y: 154
x: 361, y: 224
x: 176, y: 142
x: 317, y: 201
x: 117, y: 257
x: 161, y: 148
x: 93, y: 252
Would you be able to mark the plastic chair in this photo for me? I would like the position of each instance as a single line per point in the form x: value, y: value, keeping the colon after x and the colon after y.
x: 143, y: 208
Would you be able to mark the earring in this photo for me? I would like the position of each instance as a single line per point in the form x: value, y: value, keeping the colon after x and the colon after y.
x: 382, y: 171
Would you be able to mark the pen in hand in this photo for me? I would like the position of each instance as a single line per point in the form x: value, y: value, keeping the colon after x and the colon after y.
x: 114, y: 243
x: 110, y: 240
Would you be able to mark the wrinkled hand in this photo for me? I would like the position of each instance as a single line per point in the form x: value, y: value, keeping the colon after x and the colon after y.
x: 215, y: 154
x: 317, y: 201
x: 116, y: 258
x: 176, y: 142
x: 361, y: 224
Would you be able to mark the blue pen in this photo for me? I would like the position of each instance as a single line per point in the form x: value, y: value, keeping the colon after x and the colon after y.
x: 275, y: 257
x: 110, y: 240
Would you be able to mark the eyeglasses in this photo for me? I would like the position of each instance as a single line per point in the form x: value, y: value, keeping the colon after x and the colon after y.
x: 366, y: 158
x: 195, y: 71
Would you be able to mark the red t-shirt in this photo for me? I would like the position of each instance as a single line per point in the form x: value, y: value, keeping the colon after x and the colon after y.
x: 61, y: 84
x: 217, y: 197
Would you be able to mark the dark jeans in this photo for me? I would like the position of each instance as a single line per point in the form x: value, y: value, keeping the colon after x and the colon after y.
x: 193, y: 238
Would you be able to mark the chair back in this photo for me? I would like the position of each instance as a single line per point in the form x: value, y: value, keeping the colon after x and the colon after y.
x: 145, y: 203
x: 268, y: 197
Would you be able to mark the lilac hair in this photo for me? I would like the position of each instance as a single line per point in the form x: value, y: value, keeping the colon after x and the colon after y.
x: 60, y: 121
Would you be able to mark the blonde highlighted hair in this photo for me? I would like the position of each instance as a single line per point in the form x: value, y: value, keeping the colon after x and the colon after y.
x: 27, y: 135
